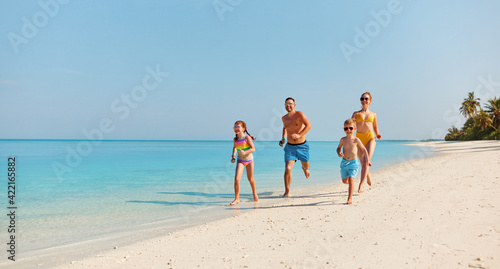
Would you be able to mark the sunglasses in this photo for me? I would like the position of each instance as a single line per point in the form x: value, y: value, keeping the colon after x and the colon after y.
x: 348, y: 128
x: 288, y: 104
x: 364, y: 99
x: 236, y: 127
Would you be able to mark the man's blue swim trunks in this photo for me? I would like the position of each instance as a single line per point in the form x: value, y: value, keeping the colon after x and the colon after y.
x: 349, y: 168
x: 294, y: 152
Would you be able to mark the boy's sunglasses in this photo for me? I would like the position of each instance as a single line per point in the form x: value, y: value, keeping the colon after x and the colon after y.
x: 348, y: 128
x: 364, y: 99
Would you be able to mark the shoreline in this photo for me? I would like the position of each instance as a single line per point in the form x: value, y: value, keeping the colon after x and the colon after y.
x: 54, y: 245
x: 61, y: 254
x: 289, y: 228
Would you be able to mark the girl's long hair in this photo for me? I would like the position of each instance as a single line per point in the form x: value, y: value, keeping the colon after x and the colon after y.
x: 244, y: 125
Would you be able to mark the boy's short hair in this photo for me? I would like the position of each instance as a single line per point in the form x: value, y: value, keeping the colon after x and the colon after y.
x: 349, y: 122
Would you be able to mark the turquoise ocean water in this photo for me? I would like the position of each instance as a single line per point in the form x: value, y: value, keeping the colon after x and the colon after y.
x: 70, y: 192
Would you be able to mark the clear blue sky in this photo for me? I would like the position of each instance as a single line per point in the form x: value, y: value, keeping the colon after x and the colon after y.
x: 66, y: 65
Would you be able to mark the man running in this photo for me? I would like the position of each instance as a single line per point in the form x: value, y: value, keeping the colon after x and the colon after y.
x: 295, y: 127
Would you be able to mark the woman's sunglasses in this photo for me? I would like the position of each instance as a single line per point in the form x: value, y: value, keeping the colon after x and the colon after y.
x: 364, y: 99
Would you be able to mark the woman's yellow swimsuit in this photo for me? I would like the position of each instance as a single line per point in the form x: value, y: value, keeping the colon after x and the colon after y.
x: 365, y: 137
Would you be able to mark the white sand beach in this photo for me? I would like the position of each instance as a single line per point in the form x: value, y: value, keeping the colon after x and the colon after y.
x: 441, y: 212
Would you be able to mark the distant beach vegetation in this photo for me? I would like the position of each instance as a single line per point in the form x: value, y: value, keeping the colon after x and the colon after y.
x: 481, y: 124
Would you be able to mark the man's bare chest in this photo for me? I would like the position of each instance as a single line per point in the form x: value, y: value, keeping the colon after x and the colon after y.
x: 293, y: 122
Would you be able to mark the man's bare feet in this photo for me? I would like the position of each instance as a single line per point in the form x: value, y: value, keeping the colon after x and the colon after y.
x: 236, y: 201
x: 368, y: 180
x: 255, y: 199
x: 306, y: 172
x: 349, y: 201
x: 286, y: 195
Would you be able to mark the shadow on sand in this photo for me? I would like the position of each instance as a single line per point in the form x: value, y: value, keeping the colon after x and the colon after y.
x: 203, y: 199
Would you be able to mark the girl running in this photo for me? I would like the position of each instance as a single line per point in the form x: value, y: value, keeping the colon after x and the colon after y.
x: 243, y: 145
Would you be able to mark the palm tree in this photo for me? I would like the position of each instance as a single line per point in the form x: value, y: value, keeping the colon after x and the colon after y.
x: 453, y: 134
x: 484, y: 119
x: 493, y: 107
x: 470, y: 105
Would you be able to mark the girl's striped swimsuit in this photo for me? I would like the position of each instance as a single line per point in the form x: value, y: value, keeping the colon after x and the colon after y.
x: 241, y: 144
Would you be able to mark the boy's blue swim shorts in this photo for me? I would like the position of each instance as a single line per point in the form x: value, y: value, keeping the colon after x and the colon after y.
x: 349, y: 168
